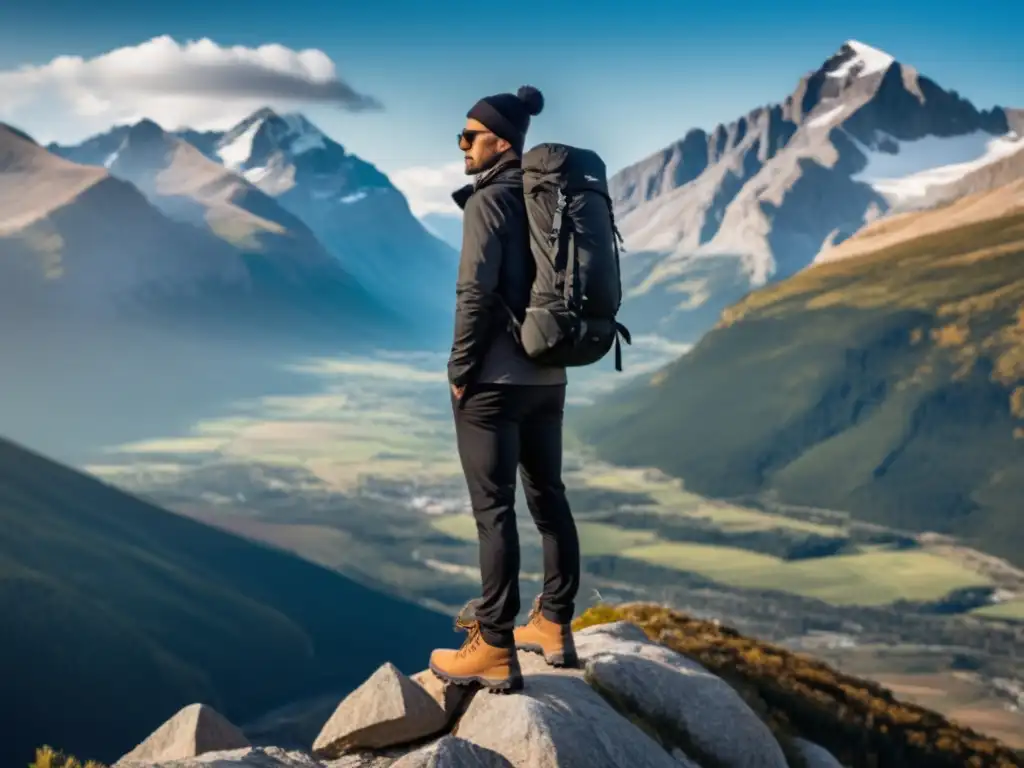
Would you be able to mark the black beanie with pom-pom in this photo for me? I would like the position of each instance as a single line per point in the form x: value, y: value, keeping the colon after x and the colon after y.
x: 508, y: 115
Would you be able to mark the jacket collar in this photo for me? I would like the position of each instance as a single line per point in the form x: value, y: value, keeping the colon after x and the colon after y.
x: 507, y: 165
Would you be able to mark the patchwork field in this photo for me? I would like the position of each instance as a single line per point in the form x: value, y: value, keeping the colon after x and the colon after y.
x: 871, y: 578
x: 1012, y: 610
x: 670, y: 495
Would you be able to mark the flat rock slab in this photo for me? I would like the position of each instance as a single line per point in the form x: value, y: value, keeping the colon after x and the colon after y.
x: 453, y: 752
x: 705, y: 716
x: 193, y: 731
x: 558, y: 721
x: 387, y: 710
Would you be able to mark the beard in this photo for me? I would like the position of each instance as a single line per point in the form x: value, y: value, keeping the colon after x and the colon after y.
x: 484, y: 165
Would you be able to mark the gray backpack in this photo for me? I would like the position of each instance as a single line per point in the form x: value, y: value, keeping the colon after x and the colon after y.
x: 577, y: 289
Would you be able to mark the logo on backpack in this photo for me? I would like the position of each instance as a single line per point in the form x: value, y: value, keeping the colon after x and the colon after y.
x: 577, y: 288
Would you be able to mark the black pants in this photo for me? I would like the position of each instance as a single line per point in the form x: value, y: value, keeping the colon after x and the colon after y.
x: 500, y: 428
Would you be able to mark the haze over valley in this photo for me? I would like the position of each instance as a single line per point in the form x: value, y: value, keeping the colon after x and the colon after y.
x: 226, y: 434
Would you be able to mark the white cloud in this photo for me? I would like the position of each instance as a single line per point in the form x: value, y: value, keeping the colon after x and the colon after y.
x: 429, y: 188
x: 198, y: 84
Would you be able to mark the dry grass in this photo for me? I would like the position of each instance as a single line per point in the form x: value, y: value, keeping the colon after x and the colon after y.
x: 969, y: 277
x: 950, y: 336
x: 862, y: 723
x: 1017, y: 402
x: 47, y: 757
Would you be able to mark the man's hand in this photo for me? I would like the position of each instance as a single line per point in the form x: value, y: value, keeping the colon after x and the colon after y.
x: 458, y: 392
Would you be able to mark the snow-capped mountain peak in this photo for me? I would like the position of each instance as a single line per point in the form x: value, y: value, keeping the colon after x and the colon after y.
x: 756, y: 200
x: 858, y: 59
x: 350, y: 205
x: 303, y: 134
x: 264, y: 133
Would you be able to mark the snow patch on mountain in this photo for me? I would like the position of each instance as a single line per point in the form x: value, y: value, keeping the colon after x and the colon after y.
x: 237, y: 151
x: 865, y: 61
x: 255, y: 175
x: 353, y: 197
x: 830, y: 117
x: 906, y: 174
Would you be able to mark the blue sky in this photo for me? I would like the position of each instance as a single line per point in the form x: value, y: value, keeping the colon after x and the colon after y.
x: 624, y: 79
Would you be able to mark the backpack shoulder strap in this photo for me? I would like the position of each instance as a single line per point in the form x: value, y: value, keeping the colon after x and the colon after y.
x: 556, y: 221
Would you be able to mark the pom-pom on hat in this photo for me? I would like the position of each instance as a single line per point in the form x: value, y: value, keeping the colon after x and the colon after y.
x: 508, y: 115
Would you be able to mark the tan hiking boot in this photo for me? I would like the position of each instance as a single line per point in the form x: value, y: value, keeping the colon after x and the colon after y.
x: 496, y: 669
x: 543, y: 636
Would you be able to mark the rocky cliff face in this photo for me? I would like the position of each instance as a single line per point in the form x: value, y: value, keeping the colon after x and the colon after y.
x: 633, y: 702
x: 719, y: 213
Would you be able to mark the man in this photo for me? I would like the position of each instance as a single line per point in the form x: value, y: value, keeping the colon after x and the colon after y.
x: 508, y: 412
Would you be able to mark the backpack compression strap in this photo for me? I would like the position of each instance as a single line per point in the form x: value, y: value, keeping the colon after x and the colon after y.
x: 556, y: 220
x: 623, y: 331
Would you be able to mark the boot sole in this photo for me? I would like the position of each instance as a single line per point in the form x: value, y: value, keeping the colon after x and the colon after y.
x: 560, y: 660
x: 508, y: 685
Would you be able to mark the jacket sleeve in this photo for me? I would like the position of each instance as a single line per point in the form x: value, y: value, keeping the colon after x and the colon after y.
x: 476, y: 300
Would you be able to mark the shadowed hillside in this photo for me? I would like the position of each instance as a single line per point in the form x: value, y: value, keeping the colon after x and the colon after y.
x: 890, y: 384
x: 118, y: 613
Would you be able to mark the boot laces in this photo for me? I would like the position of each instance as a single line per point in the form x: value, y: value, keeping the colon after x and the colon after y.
x: 466, y: 621
x: 471, y: 642
x: 535, y: 612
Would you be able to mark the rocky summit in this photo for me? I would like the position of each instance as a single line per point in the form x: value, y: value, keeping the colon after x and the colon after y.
x: 632, y: 702
x: 654, y: 688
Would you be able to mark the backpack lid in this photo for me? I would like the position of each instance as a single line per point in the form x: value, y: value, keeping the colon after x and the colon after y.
x: 565, y: 166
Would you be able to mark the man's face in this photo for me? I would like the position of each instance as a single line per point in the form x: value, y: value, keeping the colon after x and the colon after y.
x: 480, y: 147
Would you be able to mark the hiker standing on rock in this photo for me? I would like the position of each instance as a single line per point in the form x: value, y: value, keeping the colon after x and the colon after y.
x: 508, y: 412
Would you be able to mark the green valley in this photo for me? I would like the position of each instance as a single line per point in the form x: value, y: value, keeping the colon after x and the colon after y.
x: 888, y: 385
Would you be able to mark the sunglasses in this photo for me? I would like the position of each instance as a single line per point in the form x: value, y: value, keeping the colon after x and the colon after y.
x: 468, y: 137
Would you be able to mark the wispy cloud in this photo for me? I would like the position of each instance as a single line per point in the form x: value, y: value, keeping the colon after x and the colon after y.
x: 199, y: 84
x: 429, y: 188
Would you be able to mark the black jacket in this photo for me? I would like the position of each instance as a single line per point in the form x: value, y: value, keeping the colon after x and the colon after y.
x: 495, y: 262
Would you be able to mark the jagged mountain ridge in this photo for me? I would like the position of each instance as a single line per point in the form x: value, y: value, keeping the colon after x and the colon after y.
x: 350, y: 206
x: 719, y: 213
x: 353, y: 208
x: 83, y: 244
x: 185, y: 185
